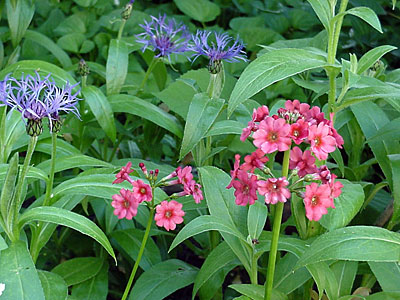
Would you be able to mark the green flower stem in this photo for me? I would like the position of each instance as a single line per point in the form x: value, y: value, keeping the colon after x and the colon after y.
x: 49, y: 187
x: 275, y: 234
x: 17, y: 201
x: 152, y: 65
x: 142, y: 246
x: 121, y: 29
x: 3, y: 117
x: 254, y: 269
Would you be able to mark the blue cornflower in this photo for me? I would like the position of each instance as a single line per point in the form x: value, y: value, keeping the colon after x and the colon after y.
x: 164, y: 37
x: 218, y: 50
x: 36, y: 98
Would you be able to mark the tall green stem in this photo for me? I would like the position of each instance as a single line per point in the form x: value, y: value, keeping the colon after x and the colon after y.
x: 254, y: 269
x: 148, y: 72
x: 3, y: 117
x: 143, y: 245
x: 17, y: 202
x: 275, y: 234
x: 121, y: 29
x: 49, y: 186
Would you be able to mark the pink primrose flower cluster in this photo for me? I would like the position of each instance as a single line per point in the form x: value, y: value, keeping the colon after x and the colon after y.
x: 297, y: 124
x: 168, y: 213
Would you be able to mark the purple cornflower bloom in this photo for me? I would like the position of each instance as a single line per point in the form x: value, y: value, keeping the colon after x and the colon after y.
x: 218, y: 51
x: 164, y: 37
x: 36, y: 98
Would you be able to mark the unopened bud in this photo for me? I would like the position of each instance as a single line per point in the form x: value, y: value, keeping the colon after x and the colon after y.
x: 83, y: 68
x: 126, y: 14
x: 34, y: 127
x: 309, y: 177
x: 143, y: 168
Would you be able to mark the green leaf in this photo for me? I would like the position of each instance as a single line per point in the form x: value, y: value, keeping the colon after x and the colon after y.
x: 67, y: 218
x: 384, y: 296
x: 368, y: 15
x: 136, y: 106
x: 387, y: 274
x: 325, y: 279
x: 19, y: 274
x: 347, y: 206
x: 390, y: 131
x: 25, y: 67
x: 256, y: 292
x: 369, y: 58
x: 395, y: 163
x: 162, y: 280
x: 199, y: 10
x: 221, y: 260
x: 372, y: 118
x: 256, y: 219
x: 53, y: 285
x: 77, y: 270
x: 8, y: 187
x: 271, y: 67
x: 203, y: 224
x: 101, y: 109
x: 221, y: 204
x: 19, y: 16
x: 345, y: 273
x: 337, y: 156
x: 202, y: 113
x: 44, y: 41
x: 225, y: 127
x: 96, y: 288
x: 117, y: 66
x: 72, y: 42
x: 289, y: 244
x: 356, y: 243
x: 323, y: 11
x: 130, y: 240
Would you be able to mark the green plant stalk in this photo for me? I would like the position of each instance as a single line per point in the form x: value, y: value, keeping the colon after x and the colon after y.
x: 152, y: 65
x: 15, y: 207
x: 3, y: 159
x: 254, y: 269
x: 49, y: 186
x: 275, y: 234
x: 142, y: 246
x: 121, y: 29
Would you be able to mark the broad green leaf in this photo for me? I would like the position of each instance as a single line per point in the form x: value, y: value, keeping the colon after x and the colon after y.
x: 387, y: 274
x: 345, y: 273
x: 162, y: 280
x: 337, y: 156
x: 96, y: 288
x: 256, y: 219
x: 225, y: 127
x: 67, y: 218
x: 347, y: 206
x: 130, y: 240
x: 43, y: 68
x: 256, y: 292
x: 388, y: 132
x: 356, y: 243
x: 19, y: 17
x: 325, y: 279
x: 77, y: 270
x: 7, y: 190
x: 3, y: 244
x: 372, y: 118
x: 221, y: 204
x: 73, y: 42
x: 395, y: 163
x: 289, y: 244
x: 19, y: 274
x: 203, y: 224
x: 136, y: 106
x: 220, y: 260
x: 44, y: 41
x: 369, y: 58
x: 271, y: 67
x: 323, y: 11
x: 384, y: 296
x: 202, y: 113
x: 33, y: 173
x: 117, y: 66
x: 199, y: 10
x: 368, y: 15
x: 54, y: 286
x: 101, y: 109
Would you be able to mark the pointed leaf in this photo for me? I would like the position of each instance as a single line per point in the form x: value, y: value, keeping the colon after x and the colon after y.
x: 256, y: 292
x: 96, y: 288
x: 369, y: 58
x: 256, y: 219
x: 368, y: 15
x: 53, y: 285
x: 9, y: 186
x: 387, y: 274
x: 19, y: 17
x: 117, y: 66
x: 323, y: 11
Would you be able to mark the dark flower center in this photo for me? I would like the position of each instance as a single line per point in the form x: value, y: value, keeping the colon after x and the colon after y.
x: 168, y: 214
x: 143, y: 190
x: 314, y: 200
x: 126, y: 204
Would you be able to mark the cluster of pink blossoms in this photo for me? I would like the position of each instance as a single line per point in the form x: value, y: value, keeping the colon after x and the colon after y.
x: 299, y: 124
x: 168, y: 213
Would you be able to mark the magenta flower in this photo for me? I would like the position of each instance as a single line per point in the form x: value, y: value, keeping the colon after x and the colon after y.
x: 195, y: 191
x: 253, y: 161
x: 123, y: 175
x: 303, y: 162
x: 234, y: 172
x: 125, y: 204
x: 274, y: 190
x: 261, y: 113
x: 185, y: 175
x: 317, y: 199
x: 272, y: 135
x: 168, y: 214
x: 336, y: 187
x: 296, y: 107
x: 142, y: 191
x: 299, y: 131
x: 321, y: 142
x: 245, y: 188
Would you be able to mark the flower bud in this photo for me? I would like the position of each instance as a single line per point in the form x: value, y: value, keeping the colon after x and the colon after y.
x: 309, y: 177
x: 126, y: 14
x: 83, y: 68
x: 34, y: 127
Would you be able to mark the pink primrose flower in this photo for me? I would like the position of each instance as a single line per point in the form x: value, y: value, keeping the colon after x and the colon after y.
x: 336, y: 187
x: 321, y: 142
x: 125, y: 204
x: 253, y: 161
x: 123, y: 175
x: 296, y: 107
x: 261, y: 113
x: 142, y: 191
x: 274, y: 190
x: 272, y: 135
x: 304, y: 162
x: 245, y: 188
x: 234, y: 171
x: 317, y: 199
x: 168, y: 214
x: 299, y: 131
